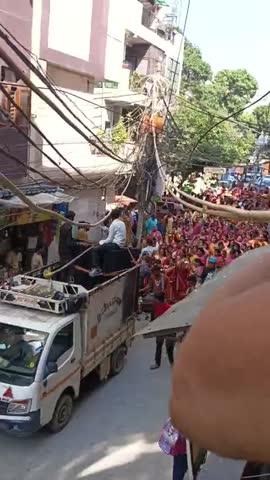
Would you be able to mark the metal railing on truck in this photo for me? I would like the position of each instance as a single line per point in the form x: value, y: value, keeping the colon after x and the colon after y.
x: 62, y: 298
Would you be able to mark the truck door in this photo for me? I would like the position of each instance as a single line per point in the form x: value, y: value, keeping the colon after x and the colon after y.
x: 62, y: 369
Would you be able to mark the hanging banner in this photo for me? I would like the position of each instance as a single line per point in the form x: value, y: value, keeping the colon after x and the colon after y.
x: 21, y: 217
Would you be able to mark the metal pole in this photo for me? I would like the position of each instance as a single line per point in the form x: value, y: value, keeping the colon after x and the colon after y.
x: 189, y: 461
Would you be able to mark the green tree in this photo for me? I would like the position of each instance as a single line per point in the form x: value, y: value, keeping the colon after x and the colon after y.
x: 119, y: 135
x: 261, y: 116
x: 202, y: 101
x: 224, y: 145
x: 195, y: 70
x: 230, y: 90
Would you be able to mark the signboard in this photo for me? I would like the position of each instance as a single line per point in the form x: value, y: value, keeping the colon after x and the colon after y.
x: 214, y: 170
x: 21, y: 217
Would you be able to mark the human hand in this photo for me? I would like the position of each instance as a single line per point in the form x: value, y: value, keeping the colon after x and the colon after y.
x: 221, y: 389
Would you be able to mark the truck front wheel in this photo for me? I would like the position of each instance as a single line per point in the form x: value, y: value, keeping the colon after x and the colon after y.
x: 118, y: 360
x: 62, y: 413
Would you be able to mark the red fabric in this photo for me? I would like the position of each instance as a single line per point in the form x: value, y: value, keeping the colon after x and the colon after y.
x: 170, y: 290
x: 196, y: 229
x: 180, y: 448
x: 161, y: 308
x: 181, y: 287
x: 47, y: 234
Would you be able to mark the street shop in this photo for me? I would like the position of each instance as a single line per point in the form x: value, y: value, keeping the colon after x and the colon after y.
x: 23, y: 232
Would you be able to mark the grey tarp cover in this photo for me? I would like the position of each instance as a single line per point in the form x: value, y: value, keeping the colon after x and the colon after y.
x: 38, y: 199
x: 183, y: 313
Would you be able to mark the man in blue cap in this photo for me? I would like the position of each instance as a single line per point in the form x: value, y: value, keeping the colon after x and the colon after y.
x: 210, y: 269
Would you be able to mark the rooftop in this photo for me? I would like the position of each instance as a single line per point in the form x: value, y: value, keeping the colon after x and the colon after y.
x: 31, y: 189
x: 31, y: 318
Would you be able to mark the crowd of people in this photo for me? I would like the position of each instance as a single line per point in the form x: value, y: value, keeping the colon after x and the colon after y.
x: 248, y: 198
x: 183, y: 250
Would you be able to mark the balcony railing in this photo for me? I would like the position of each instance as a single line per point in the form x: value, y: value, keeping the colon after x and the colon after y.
x: 165, y: 28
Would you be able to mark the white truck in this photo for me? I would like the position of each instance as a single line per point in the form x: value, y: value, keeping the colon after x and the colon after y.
x: 54, y: 334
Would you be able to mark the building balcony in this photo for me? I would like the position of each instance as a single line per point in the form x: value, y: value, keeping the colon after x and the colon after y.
x: 159, y: 20
x: 150, y: 24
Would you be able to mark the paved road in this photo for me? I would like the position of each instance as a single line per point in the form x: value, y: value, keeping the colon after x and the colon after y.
x: 112, y: 435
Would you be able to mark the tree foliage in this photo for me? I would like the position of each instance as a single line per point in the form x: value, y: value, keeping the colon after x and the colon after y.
x: 261, y: 116
x: 224, y: 145
x: 115, y: 137
x: 231, y: 90
x: 119, y: 135
x: 195, y: 70
x: 205, y: 99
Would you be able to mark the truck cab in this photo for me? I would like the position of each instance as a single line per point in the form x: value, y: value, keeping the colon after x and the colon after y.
x: 38, y: 353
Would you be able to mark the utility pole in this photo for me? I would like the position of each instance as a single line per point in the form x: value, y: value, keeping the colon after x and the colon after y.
x: 147, y: 170
x: 145, y: 182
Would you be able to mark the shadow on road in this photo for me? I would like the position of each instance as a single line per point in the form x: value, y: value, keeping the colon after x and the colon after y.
x: 112, y: 436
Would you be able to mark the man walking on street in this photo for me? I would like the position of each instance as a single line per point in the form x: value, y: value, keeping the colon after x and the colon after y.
x: 161, y: 307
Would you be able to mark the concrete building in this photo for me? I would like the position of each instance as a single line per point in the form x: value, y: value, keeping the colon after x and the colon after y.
x: 141, y: 40
x: 91, y: 50
x: 17, y: 18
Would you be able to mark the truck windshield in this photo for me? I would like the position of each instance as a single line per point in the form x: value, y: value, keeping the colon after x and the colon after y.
x: 20, y: 351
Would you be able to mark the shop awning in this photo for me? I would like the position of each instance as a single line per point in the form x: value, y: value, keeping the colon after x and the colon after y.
x: 125, y: 201
x: 183, y: 314
x: 44, y: 199
x: 121, y: 201
x: 126, y: 98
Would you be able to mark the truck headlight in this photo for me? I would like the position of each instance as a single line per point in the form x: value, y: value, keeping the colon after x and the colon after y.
x: 19, y: 407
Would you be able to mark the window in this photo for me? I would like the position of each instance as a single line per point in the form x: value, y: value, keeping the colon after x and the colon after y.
x: 20, y: 352
x: 7, y: 75
x: 62, y: 343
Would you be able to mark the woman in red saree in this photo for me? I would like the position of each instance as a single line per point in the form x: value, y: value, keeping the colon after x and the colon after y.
x: 170, y: 273
x: 181, y: 280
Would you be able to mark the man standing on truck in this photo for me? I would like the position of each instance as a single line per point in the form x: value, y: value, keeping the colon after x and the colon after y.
x: 68, y: 244
x: 66, y: 241
x: 116, y: 239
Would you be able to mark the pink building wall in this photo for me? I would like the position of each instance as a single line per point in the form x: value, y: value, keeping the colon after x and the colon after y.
x: 95, y: 66
x: 16, y: 16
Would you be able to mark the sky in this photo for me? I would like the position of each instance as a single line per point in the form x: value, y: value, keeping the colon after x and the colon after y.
x: 232, y: 34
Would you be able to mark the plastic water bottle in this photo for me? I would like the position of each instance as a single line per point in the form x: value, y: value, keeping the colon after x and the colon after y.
x: 168, y: 438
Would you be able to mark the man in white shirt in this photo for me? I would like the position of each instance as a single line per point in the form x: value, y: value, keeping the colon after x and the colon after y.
x: 150, y: 249
x: 116, y: 239
x: 14, y: 260
x: 37, y: 260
